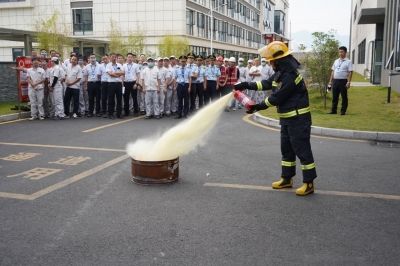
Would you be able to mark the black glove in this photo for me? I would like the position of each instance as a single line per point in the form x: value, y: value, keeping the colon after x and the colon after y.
x: 241, y: 86
x: 257, y: 107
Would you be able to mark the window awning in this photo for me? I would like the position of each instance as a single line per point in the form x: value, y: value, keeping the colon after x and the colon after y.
x: 371, y: 16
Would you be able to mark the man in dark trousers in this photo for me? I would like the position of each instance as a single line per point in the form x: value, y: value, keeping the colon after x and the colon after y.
x: 292, y: 103
x: 342, y: 71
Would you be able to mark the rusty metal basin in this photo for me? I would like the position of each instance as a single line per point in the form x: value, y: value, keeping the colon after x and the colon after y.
x: 155, y: 173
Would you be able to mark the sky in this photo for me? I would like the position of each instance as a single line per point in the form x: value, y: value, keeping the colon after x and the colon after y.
x: 320, y: 15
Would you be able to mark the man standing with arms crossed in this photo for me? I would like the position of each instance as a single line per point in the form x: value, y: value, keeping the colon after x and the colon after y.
x: 104, y: 85
x: 342, y: 72
x: 114, y: 71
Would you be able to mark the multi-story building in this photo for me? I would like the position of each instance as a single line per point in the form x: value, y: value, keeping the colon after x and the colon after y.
x: 237, y: 27
x: 375, y: 40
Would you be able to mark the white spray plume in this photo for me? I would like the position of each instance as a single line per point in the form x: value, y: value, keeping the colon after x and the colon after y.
x: 182, y: 138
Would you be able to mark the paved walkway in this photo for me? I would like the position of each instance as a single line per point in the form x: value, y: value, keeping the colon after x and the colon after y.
x: 339, y: 133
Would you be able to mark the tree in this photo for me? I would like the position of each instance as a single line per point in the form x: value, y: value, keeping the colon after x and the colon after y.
x: 52, y: 32
x: 132, y: 42
x: 319, y: 60
x: 173, y: 45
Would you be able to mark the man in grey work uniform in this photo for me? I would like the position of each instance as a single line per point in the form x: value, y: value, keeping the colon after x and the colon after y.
x: 342, y: 71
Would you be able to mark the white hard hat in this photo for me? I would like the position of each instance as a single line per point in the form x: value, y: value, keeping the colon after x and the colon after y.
x: 226, y: 59
x: 232, y: 59
x: 241, y: 59
x: 263, y: 59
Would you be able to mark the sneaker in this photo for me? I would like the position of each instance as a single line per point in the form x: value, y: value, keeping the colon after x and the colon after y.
x: 283, y: 183
x: 226, y: 109
x: 157, y: 117
x: 41, y: 118
x: 74, y: 116
x: 305, y: 189
x: 65, y: 117
x: 147, y: 117
x: 167, y: 115
x: 98, y: 115
x: 233, y: 109
x: 239, y: 107
x: 32, y: 118
x: 105, y: 116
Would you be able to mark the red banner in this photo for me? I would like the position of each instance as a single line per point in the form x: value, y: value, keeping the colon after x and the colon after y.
x: 25, y: 62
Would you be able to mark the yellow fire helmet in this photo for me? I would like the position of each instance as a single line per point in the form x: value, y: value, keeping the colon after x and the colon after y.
x: 274, y: 50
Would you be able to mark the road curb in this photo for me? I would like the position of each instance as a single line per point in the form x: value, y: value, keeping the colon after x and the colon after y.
x: 333, y: 132
x: 10, y: 117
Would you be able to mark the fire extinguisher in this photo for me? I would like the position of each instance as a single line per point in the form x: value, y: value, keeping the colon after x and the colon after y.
x: 243, y: 99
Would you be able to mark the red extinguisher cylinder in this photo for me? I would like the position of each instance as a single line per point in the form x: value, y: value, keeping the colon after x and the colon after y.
x: 243, y: 99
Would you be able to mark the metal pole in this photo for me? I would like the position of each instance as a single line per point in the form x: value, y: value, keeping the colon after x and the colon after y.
x: 212, y: 28
x: 389, y: 87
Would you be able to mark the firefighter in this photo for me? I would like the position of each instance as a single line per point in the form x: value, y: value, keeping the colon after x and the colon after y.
x: 291, y: 101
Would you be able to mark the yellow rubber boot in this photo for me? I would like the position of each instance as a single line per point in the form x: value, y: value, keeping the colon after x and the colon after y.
x: 306, y: 189
x: 283, y: 183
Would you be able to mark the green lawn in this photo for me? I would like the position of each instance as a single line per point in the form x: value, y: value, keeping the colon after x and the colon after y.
x: 357, y: 77
x: 5, y: 108
x: 367, y: 111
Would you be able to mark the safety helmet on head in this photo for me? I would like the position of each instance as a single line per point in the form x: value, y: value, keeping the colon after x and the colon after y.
x: 274, y: 50
x: 220, y: 59
x: 232, y: 59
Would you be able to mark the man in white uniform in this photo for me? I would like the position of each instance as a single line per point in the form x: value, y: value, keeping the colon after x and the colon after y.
x: 93, y: 84
x: 56, y: 89
x: 255, y: 73
x: 132, y: 74
x: 162, y: 84
x: 72, y: 80
x: 36, y: 77
x: 150, y: 89
x: 114, y: 71
x: 266, y: 73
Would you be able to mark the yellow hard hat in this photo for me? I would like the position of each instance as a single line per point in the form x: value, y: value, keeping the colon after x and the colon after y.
x: 274, y: 50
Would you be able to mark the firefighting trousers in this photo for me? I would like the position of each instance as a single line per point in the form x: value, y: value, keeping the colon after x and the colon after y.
x: 295, y: 141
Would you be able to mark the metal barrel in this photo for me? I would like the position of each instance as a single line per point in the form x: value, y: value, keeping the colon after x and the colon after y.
x: 155, y: 173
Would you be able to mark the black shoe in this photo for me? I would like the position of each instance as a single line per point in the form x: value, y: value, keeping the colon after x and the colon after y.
x: 90, y: 115
x: 167, y: 115
x: 120, y: 116
x: 111, y: 117
x: 142, y: 112
x: 126, y: 114
x: 157, y: 117
x: 98, y: 115
x: 105, y: 116
x: 342, y: 113
x: 177, y: 117
x: 331, y: 113
x: 147, y: 117
x: 135, y: 114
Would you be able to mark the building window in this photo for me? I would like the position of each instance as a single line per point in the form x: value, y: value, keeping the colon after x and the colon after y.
x: 86, y: 51
x: 17, y: 51
x: 83, y: 21
x: 353, y: 54
x: 355, y: 14
x: 189, y: 21
x: 200, y: 25
x: 361, y: 53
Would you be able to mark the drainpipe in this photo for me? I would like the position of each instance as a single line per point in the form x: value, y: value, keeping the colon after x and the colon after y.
x: 366, y: 61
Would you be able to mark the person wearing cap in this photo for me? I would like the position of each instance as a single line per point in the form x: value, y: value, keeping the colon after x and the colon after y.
x: 115, y: 71
x: 293, y: 108
x: 132, y: 73
x: 198, y: 84
x: 190, y: 60
x: 83, y: 89
x: 226, y: 62
x: 141, y: 96
x: 255, y: 72
x: 56, y: 90
x: 182, y: 85
x: 162, y: 79
x: 93, y: 84
x: 242, y: 74
x: 72, y: 80
x: 232, y: 74
x: 171, y: 101
x: 212, y: 75
x: 36, y: 77
x: 207, y: 61
x: 266, y: 73
x: 150, y: 89
x: 46, y: 98
x: 168, y: 86
x: 102, y: 73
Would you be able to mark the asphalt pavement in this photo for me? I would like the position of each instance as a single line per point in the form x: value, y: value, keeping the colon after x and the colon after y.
x: 66, y: 198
